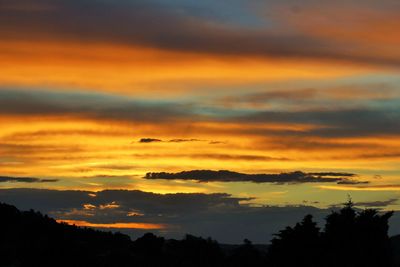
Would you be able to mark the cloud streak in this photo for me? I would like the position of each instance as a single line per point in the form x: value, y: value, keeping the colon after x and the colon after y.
x: 331, y: 123
x: 122, y: 22
x: 178, y: 140
x: 4, y: 179
x: 375, y: 204
x: 91, y: 105
x: 229, y: 176
x: 338, y: 122
x: 143, y: 226
x: 149, y: 140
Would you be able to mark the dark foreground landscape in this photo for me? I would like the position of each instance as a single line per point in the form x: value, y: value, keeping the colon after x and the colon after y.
x: 349, y: 238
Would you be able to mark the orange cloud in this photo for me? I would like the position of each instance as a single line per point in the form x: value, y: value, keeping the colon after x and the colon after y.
x: 144, y: 226
x: 144, y: 71
x: 361, y: 188
x: 357, y: 29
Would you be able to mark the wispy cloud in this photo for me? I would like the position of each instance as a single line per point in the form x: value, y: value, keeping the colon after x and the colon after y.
x: 149, y: 140
x: 91, y: 105
x: 382, y: 187
x: 4, y: 179
x: 176, y: 140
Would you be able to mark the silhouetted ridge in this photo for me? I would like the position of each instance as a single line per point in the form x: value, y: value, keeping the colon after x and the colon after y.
x: 31, y: 239
x: 350, y: 238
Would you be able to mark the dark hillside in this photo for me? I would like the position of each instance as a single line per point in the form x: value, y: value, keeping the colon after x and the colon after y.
x: 29, y: 238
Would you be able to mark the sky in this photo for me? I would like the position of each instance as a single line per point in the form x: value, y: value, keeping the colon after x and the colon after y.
x: 230, y: 119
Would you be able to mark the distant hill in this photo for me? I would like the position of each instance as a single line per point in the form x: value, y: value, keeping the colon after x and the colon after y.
x: 29, y: 238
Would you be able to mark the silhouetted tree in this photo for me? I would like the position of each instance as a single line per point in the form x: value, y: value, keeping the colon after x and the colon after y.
x: 350, y: 239
x: 357, y: 238
x: 297, y: 246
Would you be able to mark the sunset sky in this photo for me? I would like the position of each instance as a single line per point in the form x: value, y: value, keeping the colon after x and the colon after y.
x: 122, y: 113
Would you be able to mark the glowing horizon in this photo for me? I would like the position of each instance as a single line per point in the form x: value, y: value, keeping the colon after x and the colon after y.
x: 143, y: 226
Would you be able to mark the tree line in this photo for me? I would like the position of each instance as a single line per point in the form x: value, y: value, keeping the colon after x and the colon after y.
x: 350, y: 238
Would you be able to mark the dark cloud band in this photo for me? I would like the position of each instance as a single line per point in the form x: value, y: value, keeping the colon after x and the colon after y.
x: 229, y: 176
x: 4, y: 179
x: 152, y: 24
x: 221, y: 216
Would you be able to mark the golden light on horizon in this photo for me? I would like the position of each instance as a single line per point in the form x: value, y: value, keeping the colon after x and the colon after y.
x: 125, y: 225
